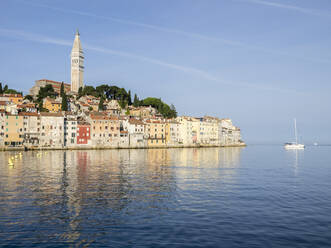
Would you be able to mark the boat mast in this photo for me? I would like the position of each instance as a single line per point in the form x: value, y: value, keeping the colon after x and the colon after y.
x: 295, y: 130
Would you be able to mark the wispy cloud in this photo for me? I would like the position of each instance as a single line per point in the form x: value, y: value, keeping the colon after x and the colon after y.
x: 195, y: 72
x: 196, y: 35
x: 288, y: 7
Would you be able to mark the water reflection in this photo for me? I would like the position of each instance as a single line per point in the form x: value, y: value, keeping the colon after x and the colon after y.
x: 295, y: 157
x: 70, y: 194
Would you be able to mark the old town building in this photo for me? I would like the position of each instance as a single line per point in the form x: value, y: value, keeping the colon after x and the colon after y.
x: 52, y: 130
x: 156, y: 133
x: 83, y: 133
x: 31, y: 128
x: 13, y: 130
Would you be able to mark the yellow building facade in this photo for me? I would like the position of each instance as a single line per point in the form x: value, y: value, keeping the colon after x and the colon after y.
x: 156, y: 132
x: 13, y: 130
x: 52, y: 105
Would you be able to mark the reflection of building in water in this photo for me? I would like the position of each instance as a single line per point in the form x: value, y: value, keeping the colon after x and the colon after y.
x: 230, y: 156
x: 68, y: 187
x: 207, y: 162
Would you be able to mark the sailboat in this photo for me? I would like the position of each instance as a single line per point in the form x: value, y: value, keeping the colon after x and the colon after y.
x: 294, y: 145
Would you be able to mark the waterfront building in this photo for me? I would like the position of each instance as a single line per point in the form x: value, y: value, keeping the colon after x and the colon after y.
x: 13, y: 130
x: 52, y: 105
x: 52, y: 130
x: 31, y: 128
x: 105, y: 130
x: 77, y: 64
x: 70, y: 130
x: 229, y: 134
x: 188, y: 129
x: 2, y: 126
x: 43, y: 82
x: 172, y: 133
x: 136, y: 132
x: 208, y: 133
x: 83, y: 133
x: 155, y: 130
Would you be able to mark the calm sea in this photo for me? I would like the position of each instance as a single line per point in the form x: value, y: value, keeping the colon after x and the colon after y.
x: 258, y: 196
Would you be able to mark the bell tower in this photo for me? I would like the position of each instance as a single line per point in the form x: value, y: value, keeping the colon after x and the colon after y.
x: 77, y: 64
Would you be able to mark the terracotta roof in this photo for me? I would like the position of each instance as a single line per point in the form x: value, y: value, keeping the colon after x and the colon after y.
x: 55, y: 82
x: 51, y: 114
x: 103, y: 117
x: 28, y: 114
x: 155, y: 121
x: 3, y: 102
x: 11, y: 95
x: 135, y: 121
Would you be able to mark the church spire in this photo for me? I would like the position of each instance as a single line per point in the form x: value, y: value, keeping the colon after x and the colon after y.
x: 77, y: 64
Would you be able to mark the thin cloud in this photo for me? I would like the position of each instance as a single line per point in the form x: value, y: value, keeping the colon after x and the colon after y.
x: 195, y: 35
x: 288, y: 7
x: 22, y: 35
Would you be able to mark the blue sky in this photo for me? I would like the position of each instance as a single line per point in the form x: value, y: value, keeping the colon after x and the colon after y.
x: 259, y: 62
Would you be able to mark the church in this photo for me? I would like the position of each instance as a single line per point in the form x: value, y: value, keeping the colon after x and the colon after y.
x: 77, y: 72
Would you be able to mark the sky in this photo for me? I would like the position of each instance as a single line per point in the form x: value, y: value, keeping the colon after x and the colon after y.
x: 261, y: 63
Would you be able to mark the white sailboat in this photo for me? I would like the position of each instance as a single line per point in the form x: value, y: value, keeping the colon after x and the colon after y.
x: 294, y: 145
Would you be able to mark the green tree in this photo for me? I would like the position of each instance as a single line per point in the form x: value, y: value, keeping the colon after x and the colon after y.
x: 136, y: 101
x: 90, y: 91
x: 80, y: 92
x: 102, y: 89
x: 29, y: 98
x: 173, y: 111
x: 100, y: 107
x: 64, y: 105
x: 5, y: 88
x: 162, y: 107
x: 129, y: 98
x: 1, y: 91
x: 62, y: 90
x: 47, y: 91
x: 12, y: 91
